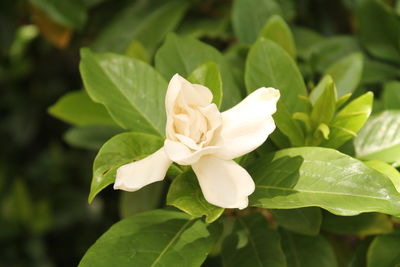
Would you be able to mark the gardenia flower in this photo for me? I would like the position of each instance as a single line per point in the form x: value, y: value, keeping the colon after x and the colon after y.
x: 197, y: 134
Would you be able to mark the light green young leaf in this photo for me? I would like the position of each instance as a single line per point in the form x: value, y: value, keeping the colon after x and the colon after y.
x: 306, y: 221
x: 71, y: 14
x: 325, y: 106
x: 279, y: 32
x: 314, y: 176
x: 119, y: 150
x: 184, y: 54
x: 391, y: 95
x: 320, y: 88
x: 144, y: 22
x: 391, y: 172
x: 363, y: 224
x: 185, y: 194
x: 153, y: 238
x: 384, y: 251
x: 209, y: 75
x: 379, y: 29
x: 248, y: 17
x: 380, y: 138
x: 77, y: 108
x: 252, y: 243
x: 90, y: 137
x: 346, y: 73
x: 307, y: 251
x: 268, y: 65
x: 349, y: 120
x: 121, y: 84
x: 288, y: 126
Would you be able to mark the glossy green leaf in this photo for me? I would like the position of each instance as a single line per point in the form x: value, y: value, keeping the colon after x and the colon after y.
x: 313, y: 176
x: 391, y: 95
x: 144, y: 22
x: 384, y: 251
x: 306, y: 221
x: 121, y: 84
x: 379, y: 29
x: 307, y: 251
x: 363, y: 224
x: 77, y: 108
x: 325, y: 106
x: 71, y: 13
x: 120, y: 150
x: 346, y: 73
x: 391, y: 172
x: 252, y: 243
x: 349, y: 120
x: 90, y: 137
x: 185, y: 194
x: 209, y: 75
x: 147, y: 198
x: 288, y: 126
x: 184, y: 54
x: 153, y: 238
x: 268, y: 65
x: 279, y: 32
x: 249, y: 17
x: 380, y: 138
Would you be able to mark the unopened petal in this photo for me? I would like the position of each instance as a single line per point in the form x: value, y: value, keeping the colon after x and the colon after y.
x: 247, y: 125
x: 224, y: 183
x: 135, y: 175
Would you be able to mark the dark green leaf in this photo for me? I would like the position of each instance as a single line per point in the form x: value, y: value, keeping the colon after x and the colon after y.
x: 380, y: 138
x: 153, y: 238
x: 120, y: 150
x: 185, y: 194
x: 77, y: 108
x: 305, y: 221
x: 377, y: 72
x: 209, y: 75
x: 312, y: 176
x: 268, y: 65
x: 121, y: 84
x: 384, y: 251
x: 288, y: 126
x: 252, y: 243
x: 184, y: 54
x: 391, y: 95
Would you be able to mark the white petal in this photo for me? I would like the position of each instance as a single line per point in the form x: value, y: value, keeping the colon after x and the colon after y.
x: 135, y: 175
x: 182, y: 155
x: 247, y: 125
x: 224, y: 182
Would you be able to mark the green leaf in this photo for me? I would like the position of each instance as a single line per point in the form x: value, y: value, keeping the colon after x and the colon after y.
x: 153, y: 238
x: 349, y: 120
x: 71, y: 13
x: 304, y: 39
x: 379, y: 29
x: 325, y: 106
x: 184, y: 54
x: 391, y: 172
x: 252, y: 243
x: 90, y: 137
x: 384, y: 251
x: 306, y: 221
x: 279, y: 32
x: 146, y: 23
x: 77, y: 108
x: 138, y: 51
x: 346, y: 73
x: 209, y: 75
x: 147, y: 198
x: 121, y: 84
x: 391, y: 95
x: 288, y: 126
x: 313, y: 176
x: 249, y: 17
x: 380, y: 138
x: 268, y: 65
x: 307, y: 251
x: 363, y: 224
x: 120, y: 150
x: 378, y: 72
x: 320, y: 88
x: 185, y: 194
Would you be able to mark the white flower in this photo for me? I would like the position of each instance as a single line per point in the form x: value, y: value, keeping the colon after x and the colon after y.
x: 197, y: 134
